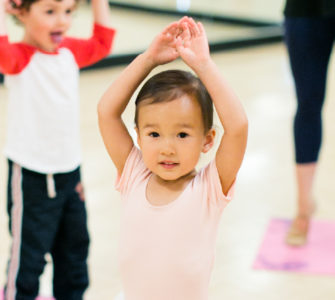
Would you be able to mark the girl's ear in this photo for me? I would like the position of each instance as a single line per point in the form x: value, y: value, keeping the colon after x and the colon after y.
x: 209, y: 140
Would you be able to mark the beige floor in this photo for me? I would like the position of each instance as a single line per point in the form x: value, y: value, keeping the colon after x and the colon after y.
x: 265, y: 187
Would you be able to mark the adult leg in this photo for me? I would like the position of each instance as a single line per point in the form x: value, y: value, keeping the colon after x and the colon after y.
x: 70, y: 249
x: 309, y: 42
x: 32, y: 226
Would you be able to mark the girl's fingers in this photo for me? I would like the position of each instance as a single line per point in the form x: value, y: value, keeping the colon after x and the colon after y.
x: 183, y: 19
x: 185, y: 34
x: 201, y: 28
x: 177, y: 31
x: 193, y: 28
x: 169, y: 33
x: 182, y: 22
x: 179, y: 42
x: 170, y: 27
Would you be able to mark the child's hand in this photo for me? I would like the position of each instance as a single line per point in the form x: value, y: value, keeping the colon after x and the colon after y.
x: 11, y: 6
x: 192, y: 43
x: 163, y: 48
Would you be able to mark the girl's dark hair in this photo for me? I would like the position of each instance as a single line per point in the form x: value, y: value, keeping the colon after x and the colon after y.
x: 27, y: 3
x: 172, y: 84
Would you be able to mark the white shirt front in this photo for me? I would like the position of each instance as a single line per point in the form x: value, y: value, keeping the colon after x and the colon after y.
x: 43, y: 108
x: 43, y: 114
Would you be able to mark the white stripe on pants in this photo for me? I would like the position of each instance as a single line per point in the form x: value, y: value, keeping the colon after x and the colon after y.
x: 16, y: 226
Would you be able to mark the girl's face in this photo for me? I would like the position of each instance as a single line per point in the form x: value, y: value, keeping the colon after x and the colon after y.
x: 171, y: 136
x: 46, y: 23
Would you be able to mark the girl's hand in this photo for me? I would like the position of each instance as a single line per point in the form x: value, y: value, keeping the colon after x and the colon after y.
x: 163, y: 48
x: 192, y: 44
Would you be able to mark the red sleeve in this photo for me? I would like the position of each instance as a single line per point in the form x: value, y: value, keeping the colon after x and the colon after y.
x: 87, y: 52
x: 14, y: 57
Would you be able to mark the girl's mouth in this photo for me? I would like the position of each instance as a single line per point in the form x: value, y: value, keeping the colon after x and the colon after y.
x: 168, y: 165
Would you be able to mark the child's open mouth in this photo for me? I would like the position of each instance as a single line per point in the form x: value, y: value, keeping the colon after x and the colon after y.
x: 56, y: 37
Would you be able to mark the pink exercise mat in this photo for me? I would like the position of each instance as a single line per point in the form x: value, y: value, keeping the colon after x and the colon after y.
x: 316, y: 257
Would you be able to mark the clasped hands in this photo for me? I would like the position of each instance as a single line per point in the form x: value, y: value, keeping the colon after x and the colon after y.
x: 184, y: 38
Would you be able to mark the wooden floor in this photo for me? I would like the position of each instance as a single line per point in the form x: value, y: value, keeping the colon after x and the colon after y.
x: 265, y: 186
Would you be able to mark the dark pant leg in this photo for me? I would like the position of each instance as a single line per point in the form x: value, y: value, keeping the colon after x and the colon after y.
x: 309, y: 42
x: 33, y: 218
x: 70, y: 249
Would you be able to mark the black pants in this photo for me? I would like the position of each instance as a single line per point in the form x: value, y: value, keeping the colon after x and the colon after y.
x: 42, y: 222
x: 309, y: 42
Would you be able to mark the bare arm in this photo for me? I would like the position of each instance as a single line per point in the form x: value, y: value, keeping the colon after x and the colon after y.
x: 3, y: 28
x: 195, y: 52
x: 112, y: 104
x: 6, y: 7
x: 101, y: 13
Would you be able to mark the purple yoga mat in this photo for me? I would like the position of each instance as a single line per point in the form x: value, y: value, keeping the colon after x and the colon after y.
x: 316, y: 257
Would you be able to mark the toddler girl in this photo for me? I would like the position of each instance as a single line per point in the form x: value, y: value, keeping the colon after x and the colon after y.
x: 171, y: 212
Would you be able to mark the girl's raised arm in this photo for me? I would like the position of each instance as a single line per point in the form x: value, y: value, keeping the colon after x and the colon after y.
x: 193, y: 49
x: 112, y: 104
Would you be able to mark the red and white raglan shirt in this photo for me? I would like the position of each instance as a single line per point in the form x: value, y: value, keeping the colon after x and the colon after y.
x: 43, y: 107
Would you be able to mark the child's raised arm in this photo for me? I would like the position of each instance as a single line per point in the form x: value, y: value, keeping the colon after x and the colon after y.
x: 7, y: 6
x: 101, y: 13
x: 193, y: 49
x: 3, y: 30
x: 12, y: 58
x: 112, y: 104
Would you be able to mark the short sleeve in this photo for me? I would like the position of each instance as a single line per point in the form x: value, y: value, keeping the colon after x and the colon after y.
x: 210, y: 178
x: 134, y: 171
x: 14, y: 57
x: 90, y: 51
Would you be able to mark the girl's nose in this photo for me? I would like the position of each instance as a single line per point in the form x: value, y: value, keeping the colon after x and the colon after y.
x: 167, y: 148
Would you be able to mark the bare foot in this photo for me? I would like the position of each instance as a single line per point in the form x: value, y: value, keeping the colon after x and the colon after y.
x: 298, y: 231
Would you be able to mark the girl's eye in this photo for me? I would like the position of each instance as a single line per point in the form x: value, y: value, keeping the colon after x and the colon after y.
x: 50, y: 11
x: 182, y: 135
x: 68, y: 11
x: 154, y: 134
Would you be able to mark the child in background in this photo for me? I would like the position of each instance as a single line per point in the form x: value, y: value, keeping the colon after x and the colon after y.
x: 46, y: 205
x: 171, y: 212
